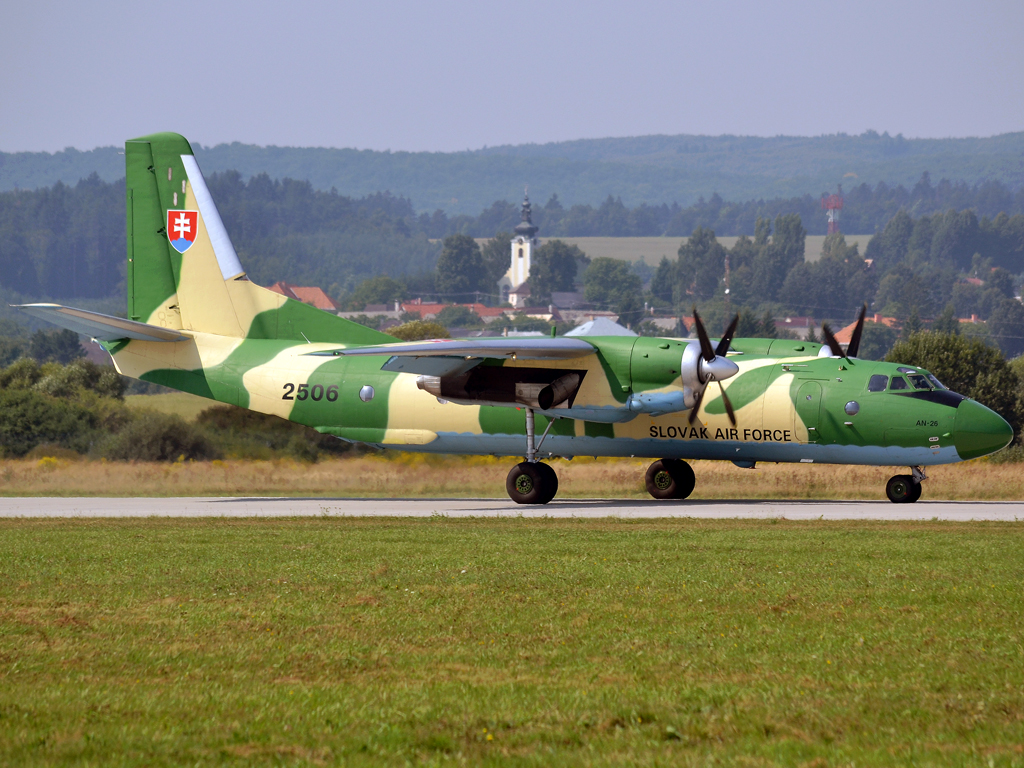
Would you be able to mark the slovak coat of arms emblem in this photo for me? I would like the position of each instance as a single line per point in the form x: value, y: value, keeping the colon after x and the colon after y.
x: 181, y: 229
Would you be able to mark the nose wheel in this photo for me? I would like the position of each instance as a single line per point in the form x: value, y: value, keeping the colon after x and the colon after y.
x: 670, y: 479
x: 905, y: 489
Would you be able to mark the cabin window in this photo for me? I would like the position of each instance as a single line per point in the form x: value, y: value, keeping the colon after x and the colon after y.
x: 898, y: 382
x: 877, y: 383
x: 919, y: 381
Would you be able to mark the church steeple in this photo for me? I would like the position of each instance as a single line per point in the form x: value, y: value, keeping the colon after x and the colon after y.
x: 513, y: 284
x: 525, y: 228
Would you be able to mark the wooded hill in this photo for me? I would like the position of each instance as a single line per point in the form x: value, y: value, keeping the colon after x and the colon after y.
x: 647, y: 169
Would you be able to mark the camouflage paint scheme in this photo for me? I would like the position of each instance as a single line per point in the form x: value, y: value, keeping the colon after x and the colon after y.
x: 251, y: 347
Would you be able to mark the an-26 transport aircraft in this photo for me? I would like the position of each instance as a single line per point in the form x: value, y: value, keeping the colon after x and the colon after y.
x: 197, y: 324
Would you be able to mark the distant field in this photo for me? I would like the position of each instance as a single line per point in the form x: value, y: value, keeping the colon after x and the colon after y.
x: 652, y: 249
x: 182, y: 403
x: 510, y: 642
x: 417, y: 475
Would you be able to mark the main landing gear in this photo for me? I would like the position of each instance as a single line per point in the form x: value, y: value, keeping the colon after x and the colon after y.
x: 670, y: 479
x: 531, y: 482
x: 905, y: 489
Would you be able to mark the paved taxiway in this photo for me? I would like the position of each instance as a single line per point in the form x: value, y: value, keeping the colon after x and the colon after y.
x: 587, y: 508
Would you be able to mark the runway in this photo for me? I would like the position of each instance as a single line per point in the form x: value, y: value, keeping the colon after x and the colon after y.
x: 52, y: 507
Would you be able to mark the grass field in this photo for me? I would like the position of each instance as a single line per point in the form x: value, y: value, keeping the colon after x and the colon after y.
x: 654, y: 248
x: 411, y: 475
x: 513, y: 642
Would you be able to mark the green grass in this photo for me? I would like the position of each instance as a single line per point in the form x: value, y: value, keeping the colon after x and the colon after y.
x: 181, y: 403
x: 394, y: 642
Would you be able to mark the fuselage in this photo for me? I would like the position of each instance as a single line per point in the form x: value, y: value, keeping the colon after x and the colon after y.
x: 791, y: 405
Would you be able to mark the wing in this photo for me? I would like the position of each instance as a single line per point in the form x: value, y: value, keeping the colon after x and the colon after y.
x: 535, y: 348
x: 451, y: 357
x: 98, y: 326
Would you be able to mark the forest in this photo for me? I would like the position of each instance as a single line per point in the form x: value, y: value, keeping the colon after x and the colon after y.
x: 640, y: 169
x: 62, y: 241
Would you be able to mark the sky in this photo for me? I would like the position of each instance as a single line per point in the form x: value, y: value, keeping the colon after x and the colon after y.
x: 448, y: 76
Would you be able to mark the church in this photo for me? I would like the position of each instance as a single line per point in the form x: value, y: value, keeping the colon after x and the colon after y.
x: 514, y: 284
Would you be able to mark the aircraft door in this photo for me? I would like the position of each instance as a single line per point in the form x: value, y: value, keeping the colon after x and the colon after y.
x: 805, y: 415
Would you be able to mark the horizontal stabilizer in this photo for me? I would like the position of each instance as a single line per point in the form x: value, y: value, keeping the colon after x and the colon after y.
x: 535, y: 348
x: 98, y: 326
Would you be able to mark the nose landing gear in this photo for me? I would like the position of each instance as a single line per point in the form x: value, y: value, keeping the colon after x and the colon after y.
x: 670, y: 479
x: 905, y: 489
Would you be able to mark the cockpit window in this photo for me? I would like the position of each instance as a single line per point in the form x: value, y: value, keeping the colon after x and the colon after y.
x: 898, y: 382
x: 935, y: 382
x: 919, y: 381
x: 877, y: 383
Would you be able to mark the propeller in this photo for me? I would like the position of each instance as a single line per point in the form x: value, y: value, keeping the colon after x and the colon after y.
x: 854, y: 346
x: 709, y: 355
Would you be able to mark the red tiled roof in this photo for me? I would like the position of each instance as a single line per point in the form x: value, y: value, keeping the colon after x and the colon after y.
x: 844, y: 335
x: 306, y: 294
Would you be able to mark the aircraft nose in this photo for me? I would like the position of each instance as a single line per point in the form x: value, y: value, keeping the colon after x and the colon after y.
x: 978, y: 430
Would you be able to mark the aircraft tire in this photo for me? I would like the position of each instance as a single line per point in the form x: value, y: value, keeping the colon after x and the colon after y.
x: 916, y: 493
x: 531, y: 483
x: 670, y: 479
x: 901, y: 489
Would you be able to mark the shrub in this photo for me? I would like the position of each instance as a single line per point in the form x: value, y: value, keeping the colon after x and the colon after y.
x: 418, y: 330
x: 29, y: 418
x: 153, y: 436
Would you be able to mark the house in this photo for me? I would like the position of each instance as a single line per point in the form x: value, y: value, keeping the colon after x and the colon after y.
x: 306, y: 294
x: 843, y: 335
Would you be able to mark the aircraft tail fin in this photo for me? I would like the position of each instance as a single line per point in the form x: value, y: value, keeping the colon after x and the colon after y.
x: 183, y: 272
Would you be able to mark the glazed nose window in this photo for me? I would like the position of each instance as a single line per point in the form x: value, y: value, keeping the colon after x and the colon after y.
x: 877, y: 383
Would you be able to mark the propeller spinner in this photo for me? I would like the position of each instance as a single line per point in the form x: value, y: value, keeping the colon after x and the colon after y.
x: 712, y: 365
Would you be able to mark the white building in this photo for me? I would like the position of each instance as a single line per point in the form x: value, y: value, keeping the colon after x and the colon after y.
x: 513, y: 283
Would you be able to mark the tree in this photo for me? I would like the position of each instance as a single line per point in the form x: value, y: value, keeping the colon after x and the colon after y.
x: 376, y: 290
x: 947, y: 322
x: 776, y: 258
x: 876, y: 340
x: 967, y: 366
x: 419, y: 330
x: 497, y: 257
x: 460, y: 268
x: 59, y: 346
x: 665, y: 277
x: 701, y: 266
x: 554, y: 268
x: 1006, y: 325
x: 912, y: 324
x: 456, y: 316
x: 609, y: 283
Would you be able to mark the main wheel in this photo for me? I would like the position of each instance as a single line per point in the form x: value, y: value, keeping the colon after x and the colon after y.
x: 916, y: 493
x: 531, y: 483
x: 901, y: 489
x: 670, y: 479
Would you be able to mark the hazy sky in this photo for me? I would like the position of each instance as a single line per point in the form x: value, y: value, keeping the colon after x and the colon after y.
x: 457, y: 75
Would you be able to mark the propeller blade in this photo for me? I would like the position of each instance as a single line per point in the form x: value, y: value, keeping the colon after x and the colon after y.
x: 830, y: 340
x: 696, y: 406
x: 728, y: 405
x: 723, y: 345
x: 854, y: 346
x: 706, y: 351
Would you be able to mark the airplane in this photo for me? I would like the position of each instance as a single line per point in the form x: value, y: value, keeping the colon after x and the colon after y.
x: 196, y: 323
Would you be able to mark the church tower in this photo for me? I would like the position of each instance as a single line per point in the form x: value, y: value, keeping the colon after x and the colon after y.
x: 524, y: 241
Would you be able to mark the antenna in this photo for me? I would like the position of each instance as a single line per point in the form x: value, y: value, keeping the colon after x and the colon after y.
x: 832, y: 205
